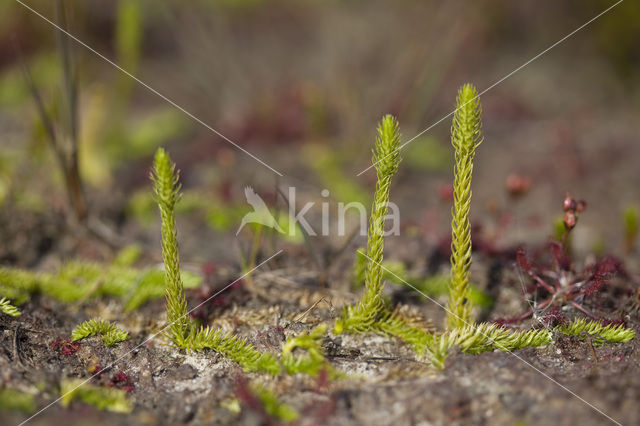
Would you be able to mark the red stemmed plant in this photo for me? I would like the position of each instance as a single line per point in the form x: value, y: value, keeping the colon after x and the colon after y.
x: 559, y: 283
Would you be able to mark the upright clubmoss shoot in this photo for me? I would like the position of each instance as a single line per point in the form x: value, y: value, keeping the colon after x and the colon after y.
x: 466, y: 135
x: 184, y: 333
x: 371, y: 308
x: 167, y: 193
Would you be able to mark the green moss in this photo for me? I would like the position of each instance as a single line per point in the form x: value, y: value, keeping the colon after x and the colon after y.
x: 127, y: 256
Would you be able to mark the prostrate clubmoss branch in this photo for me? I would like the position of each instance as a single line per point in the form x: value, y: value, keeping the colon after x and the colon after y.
x: 478, y: 338
x: 613, y: 333
x: 109, y: 332
x: 234, y: 348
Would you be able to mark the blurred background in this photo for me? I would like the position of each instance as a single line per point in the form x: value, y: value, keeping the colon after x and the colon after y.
x: 302, y: 84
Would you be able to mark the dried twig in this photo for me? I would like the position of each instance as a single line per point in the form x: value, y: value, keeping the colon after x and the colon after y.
x: 72, y: 171
x: 67, y: 158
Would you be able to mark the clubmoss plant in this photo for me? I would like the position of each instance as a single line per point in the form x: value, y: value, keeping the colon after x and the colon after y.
x: 475, y: 338
x: 466, y: 135
x: 167, y: 192
x: 373, y: 314
x: 8, y: 308
x: 184, y: 333
x: 109, y: 332
x: 371, y: 308
x: 478, y: 338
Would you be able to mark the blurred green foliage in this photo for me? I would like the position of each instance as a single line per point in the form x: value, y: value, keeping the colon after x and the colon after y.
x: 273, y: 407
x: 631, y: 227
x: 328, y: 165
x: 232, y: 4
x: 14, y: 400
x: 143, y: 136
x: 428, y: 154
x: 109, y: 399
x: 78, y: 280
x: 45, y: 71
x: 112, y: 129
x: 617, y: 34
x: 432, y: 286
x: 128, y: 34
x: 219, y: 216
x: 559, y: 229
